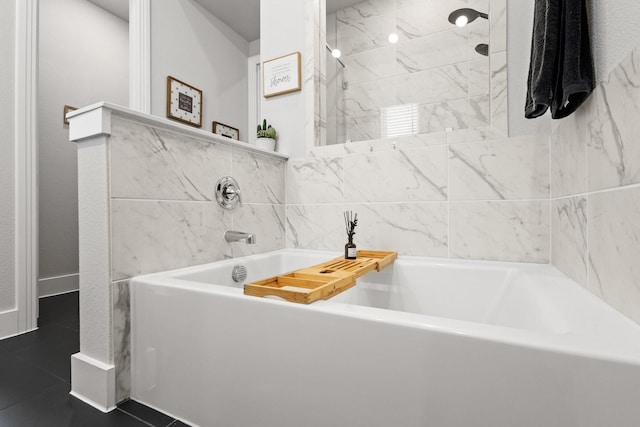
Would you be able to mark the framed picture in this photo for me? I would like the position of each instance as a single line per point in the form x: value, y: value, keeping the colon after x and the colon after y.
x: 226, y: 130
x: 67, y: 108
x: 281, y: 75
x: 184, y: 102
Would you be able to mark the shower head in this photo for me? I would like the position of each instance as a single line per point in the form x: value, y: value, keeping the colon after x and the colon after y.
x: 462, y: 17
x: 483, y: 49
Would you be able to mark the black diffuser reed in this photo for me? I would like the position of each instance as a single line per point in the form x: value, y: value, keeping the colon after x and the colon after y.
x: 350, y: 222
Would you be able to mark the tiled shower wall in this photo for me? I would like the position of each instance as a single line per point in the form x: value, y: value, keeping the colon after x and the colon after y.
x: 433, y: 66
x: 164, y: 214
x: 471, y: 194
x: 595, y: 172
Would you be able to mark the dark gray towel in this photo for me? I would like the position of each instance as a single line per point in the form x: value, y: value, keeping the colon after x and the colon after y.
x: 561, y: 70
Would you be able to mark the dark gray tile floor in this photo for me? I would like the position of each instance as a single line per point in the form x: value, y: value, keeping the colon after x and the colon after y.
x: 35, y: 377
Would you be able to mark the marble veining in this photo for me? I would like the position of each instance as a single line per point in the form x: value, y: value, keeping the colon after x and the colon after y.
x: 122, y: 338
x: 614, y: 238
x: 363, y: 128
x: 151, y: 163
x: 314, y: 180
x: 315, y: 227
x: 479, y: 77
x: 407, y: 228
x: 569, y: 237
x: 370, y: 65
x: 419, y: 18
x: 499, y: 106
x: 150, y: 236
x: 568, y: 144
x: 266, y: 221
x: 474, y: 135
x: 479, y: 111
x: 436, y: 50
x: 434, y: 65
x: 440, y: 84
x: 516, y: 168
x: 261, y: 178
x: 441, y: 116
x: 364, y: 26
x: 397, y: 176
x: 369, y: 97
x: 500, y: 230
x: 418, y: 140
x: 613, y: 154
x: 498, y: 20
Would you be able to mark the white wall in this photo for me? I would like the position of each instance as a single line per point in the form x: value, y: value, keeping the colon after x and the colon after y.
x: 615, y: 30
x: 83, y: 59
x: 254, y: 47
x: 282, y: 31
x: 7, y: 194
x: 192, y: 45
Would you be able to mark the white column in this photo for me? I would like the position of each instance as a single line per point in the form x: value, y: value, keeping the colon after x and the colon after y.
x: 26, y: 78
x: 140, y: 55
x: 92, y: 369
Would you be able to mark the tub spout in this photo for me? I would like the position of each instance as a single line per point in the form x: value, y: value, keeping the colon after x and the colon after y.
x: 236, y: 236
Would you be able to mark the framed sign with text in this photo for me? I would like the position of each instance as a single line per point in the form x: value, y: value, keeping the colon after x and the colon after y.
x: 281, y: 75
x: 184, y: 102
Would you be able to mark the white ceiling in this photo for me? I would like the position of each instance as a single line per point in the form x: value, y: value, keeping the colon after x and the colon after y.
x: 119, y: 8
x: 243, y: 16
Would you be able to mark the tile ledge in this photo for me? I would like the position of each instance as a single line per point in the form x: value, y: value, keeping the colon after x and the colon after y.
x: 95, y: 119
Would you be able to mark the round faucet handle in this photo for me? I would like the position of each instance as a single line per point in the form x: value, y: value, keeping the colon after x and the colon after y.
x: 228, y: 192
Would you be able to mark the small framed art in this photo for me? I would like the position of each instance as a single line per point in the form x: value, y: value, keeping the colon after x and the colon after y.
x: 226, y: 130
x: 184, y: 102
x: 67, y: 109
x: 281, y: 75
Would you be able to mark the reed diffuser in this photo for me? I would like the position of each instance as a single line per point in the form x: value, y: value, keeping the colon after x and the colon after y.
x: 350, y: 222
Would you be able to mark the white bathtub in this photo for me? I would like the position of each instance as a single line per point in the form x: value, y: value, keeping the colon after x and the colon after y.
x: 427, y: 342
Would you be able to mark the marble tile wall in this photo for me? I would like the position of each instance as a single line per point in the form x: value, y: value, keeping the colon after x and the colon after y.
x: 595, y: 171
x: 163, y: 208
x: 164, y: 214
x: 471, y: 194
x: 433, y: 65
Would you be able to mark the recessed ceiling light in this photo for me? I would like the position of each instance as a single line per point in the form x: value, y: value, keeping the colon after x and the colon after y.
x: 393, y: 38
x: 336, y: 53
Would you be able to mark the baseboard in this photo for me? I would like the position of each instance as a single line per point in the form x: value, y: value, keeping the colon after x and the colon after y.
x: 93, y: 382
x: 8, y: 323
x: 50, y: 286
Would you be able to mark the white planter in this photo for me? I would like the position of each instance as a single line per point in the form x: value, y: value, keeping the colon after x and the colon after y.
x: 266, y: 143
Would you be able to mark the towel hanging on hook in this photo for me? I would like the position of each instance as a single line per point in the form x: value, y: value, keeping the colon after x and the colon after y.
x: 561, y: 73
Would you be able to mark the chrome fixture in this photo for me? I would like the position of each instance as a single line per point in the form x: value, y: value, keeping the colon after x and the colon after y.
x: 335, y: 52
x: 237, y: 236
x: 239, y: 273
x: 483, y: 49
x: 462, y: 17
x: 228, y: 192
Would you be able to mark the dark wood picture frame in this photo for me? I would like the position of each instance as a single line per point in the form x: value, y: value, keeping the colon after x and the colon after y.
x: 217, y: 126
x: 67, y: 109
x: 184, y: 102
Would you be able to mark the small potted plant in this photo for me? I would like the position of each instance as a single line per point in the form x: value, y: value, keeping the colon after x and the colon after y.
x: 266, y: 136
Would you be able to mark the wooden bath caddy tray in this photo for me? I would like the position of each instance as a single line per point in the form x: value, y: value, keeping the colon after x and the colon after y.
x: 321, y: 281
